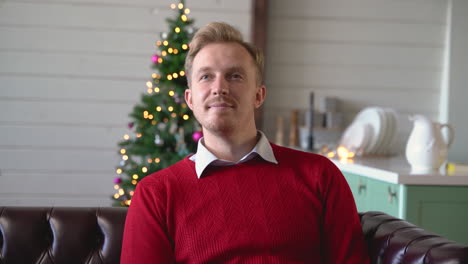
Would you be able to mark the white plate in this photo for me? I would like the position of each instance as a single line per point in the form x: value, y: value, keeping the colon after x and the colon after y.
x: 391, y: 131
x: 383, y: 131
x: 374, y: 119
x: 356, y: 137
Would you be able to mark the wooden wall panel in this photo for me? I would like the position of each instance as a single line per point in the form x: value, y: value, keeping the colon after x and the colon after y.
x: 70, y: 73
x: 363, y: 52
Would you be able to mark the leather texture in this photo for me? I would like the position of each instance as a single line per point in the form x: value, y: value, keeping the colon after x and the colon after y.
x: 56, y: 235
x: 391, y: 240
x: 33, y: 235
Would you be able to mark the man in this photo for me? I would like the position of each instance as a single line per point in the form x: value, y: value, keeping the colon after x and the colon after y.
x: 239, y: 199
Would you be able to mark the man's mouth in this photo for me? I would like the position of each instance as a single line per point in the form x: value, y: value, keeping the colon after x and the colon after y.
x: 220, y: 105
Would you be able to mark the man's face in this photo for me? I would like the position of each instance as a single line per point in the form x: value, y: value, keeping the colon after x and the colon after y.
x: 223, y: 93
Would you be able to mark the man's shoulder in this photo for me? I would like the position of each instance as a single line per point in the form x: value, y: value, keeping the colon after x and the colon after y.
x: 293, y: 154
x: 167, y: 174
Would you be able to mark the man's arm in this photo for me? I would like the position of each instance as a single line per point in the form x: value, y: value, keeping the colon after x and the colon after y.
x: 145, y: 236
x: 342, y: 232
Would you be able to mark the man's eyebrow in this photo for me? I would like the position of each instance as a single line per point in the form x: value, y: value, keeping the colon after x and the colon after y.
x: 230, y: 69
x: 236, y: 69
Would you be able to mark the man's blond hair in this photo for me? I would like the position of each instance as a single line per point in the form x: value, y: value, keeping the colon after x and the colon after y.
x: 219, y: 32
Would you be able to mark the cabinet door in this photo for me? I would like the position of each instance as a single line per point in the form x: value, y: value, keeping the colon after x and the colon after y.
x: 383, y: 196
x: 440, y: 209
x: 358, y: 185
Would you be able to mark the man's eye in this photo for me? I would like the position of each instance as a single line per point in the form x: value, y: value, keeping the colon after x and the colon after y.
x: 204, y: 77
x: 236, y: 76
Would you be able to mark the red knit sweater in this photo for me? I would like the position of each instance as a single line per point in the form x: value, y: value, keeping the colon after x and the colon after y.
x: 297, y: 211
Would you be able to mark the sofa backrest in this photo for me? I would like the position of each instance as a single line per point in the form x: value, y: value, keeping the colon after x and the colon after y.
x: 61, y: 235
x: 71, y: 235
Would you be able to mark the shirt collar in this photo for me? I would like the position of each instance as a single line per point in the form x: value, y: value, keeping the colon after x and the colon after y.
x: 203, y: 158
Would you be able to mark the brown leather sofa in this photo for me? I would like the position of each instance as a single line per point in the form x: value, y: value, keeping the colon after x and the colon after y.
x: 33, y: 235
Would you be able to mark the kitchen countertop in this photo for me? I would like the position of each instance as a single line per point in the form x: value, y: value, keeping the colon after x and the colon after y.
x: 397, y: 170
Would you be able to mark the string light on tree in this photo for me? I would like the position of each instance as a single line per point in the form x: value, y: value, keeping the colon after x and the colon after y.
x: 163, y: 129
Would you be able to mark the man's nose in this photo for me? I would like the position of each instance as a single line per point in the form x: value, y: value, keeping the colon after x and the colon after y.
x: 220, y: 86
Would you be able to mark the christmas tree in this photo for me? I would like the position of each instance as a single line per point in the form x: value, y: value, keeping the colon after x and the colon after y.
x: 163, y: 129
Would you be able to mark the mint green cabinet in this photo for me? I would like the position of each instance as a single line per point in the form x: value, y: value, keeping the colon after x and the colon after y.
x: 439, y: 209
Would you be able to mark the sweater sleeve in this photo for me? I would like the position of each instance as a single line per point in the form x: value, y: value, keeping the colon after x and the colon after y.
x: 342, y: 232
x: 145, y: 235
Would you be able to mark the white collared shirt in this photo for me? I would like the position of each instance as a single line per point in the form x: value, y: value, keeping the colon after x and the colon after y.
x: 203, y: 158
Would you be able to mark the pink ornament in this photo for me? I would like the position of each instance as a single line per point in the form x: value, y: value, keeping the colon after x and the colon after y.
x: 118, y: 180
x: 197, y: 135
x: 155, y: 58
x: 130, y: 125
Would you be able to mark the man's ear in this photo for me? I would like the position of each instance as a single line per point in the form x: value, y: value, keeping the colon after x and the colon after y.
x: 260, y: 96
x: 188, y: 97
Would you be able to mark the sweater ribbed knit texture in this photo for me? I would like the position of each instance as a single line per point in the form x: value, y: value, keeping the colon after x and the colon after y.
x: 297, y: 211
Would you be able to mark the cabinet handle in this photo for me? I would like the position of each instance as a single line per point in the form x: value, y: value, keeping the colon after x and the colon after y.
x: 361, y: 187
x: 391, y: 195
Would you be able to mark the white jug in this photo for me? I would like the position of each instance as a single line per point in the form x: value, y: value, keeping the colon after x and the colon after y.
x: 426, y: 149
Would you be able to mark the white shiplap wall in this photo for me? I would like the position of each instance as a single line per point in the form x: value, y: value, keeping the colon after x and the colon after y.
x: 70, y: 73
x: 365, y: 52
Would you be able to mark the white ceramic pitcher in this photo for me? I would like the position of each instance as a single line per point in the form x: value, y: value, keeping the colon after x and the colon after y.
x: 426, y: 149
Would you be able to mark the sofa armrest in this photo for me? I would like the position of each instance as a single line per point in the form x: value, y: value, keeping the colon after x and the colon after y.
x: 393, y: 240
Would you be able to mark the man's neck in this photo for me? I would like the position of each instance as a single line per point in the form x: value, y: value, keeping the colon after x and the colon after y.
x: 230, y: 148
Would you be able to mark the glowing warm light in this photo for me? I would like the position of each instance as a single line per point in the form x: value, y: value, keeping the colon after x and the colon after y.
x: 160, y: 60
x: 173, y: 6
x: 116, y: 186
x: 331, y: 154
x: 169, y: 77
x: 119, y: 171
x: 173, y: 115
x: 158, y: 43
x: 134, y: 182
x: 123, y: 151
x: 344, y: 153
x: 139, y: 135
x: 185, y: 117
x: 121, y: 192
x: 176, y: 51
x: 164, y: 53
x: 135, y: 176
x: 145, y: 114
x: 170, y: 50
x: 158, y: 108
x: 183, y: 18
x: 187, y: 11
x: 131, y: 193
x: 165, y: 43
x: 154, y: 122
x: 180, y: 5
x: 149, y: 160
x: 149, y: 84
x: 116, y: 196
x: 150, y: 117
x: 171, y: 93
x: 182, y: 73
x: 170, y: 108
x: 128, y: 202
x: 157, y: 160
x: 125, y: 157
x: 177, y: 30
x: 144, y: 169
x: 154, y: 75
x: 184, y: 46
x: 156, y: 90
x: 184, y: 105
x: 149, y: 90
x: 175, y: 75
x: 126, y: 137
